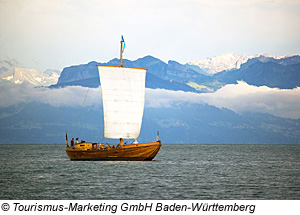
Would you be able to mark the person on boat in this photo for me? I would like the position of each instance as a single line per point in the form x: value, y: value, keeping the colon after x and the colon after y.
x: 76, y: 141
x: 67, y: 140
x: 72, y: 143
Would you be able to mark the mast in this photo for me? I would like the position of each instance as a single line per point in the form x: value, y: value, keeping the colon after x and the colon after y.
x: 121, y: 61
x: 122, y: 41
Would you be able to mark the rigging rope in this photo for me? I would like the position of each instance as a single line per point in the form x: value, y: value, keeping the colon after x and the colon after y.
x: 89, y: 110
x: 99, y: 138
x: 91, y: 107
x: 75, y: 128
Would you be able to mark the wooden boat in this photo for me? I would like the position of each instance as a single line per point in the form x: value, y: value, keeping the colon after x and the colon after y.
x: 123, y: 96
x: 131, y: 152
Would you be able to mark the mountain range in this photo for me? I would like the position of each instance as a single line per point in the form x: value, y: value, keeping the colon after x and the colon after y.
x: 283, y: 72
x: 171, y: 75
x: 30, y: 76
x: 227, y: 61
x: 263, y: 70
x: 42, y: 115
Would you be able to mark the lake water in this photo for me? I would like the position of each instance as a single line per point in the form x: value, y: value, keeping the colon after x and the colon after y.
x: 178, y: 172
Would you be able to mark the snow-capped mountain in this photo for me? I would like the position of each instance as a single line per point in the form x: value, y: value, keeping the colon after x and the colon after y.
x: 52, y: 72
x: 226, y: 61
x: 31, y: 76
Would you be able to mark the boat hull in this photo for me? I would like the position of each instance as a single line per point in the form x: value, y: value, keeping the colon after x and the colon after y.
x: 131, y: 152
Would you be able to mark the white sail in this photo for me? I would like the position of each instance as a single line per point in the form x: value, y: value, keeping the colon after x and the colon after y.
x: 123, y: 96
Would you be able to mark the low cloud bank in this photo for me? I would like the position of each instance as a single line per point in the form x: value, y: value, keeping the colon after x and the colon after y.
x: 239, y: 97
x: 68, y: 96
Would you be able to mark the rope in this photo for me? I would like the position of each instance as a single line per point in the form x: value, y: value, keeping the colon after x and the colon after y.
x: 75, y: 128
x: 99, y: 138
x: 89, y: 110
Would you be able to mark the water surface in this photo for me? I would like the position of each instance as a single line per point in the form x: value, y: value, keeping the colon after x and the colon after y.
x: 178, y: 172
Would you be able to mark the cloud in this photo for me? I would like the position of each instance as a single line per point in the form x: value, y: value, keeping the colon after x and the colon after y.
x: 68, y: 96
x: 239, y: 97
x: 242, y: 97
x: 157, y: 98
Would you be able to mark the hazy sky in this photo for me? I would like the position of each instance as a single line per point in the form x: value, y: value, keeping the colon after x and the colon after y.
x: 42, y: 34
